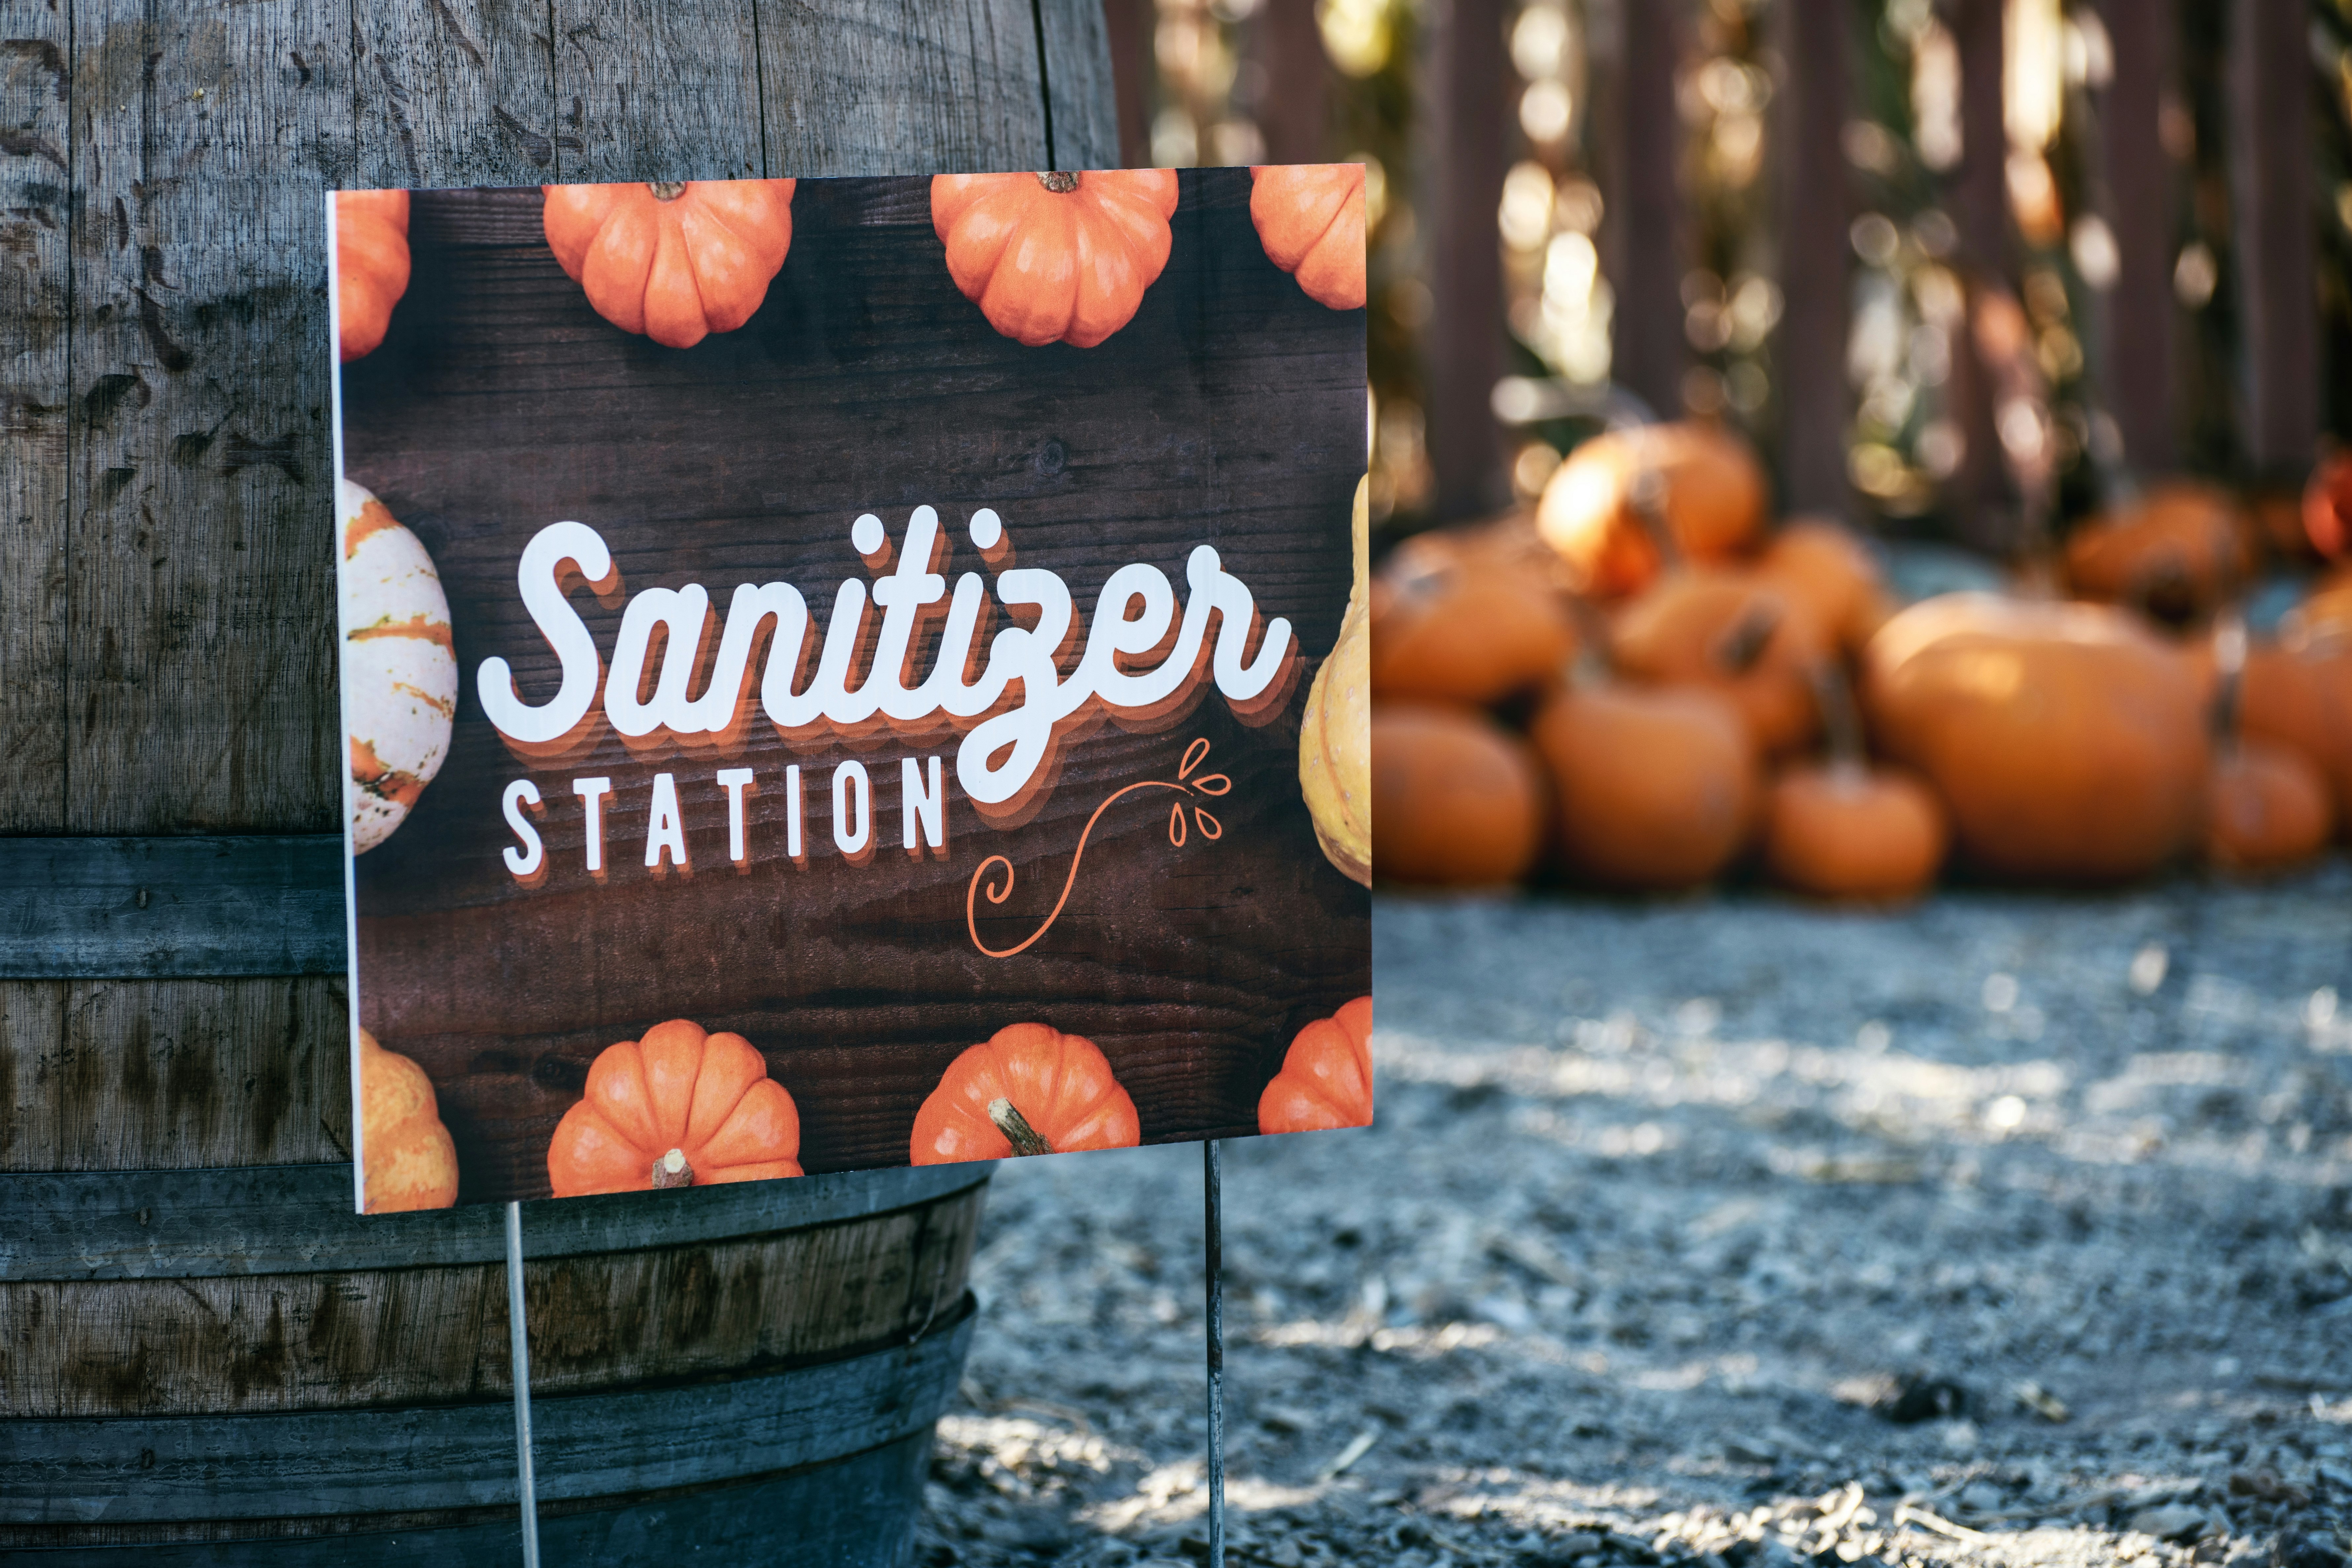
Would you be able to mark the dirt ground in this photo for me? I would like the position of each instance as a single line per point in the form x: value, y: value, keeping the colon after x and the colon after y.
x: 2008, y: 1229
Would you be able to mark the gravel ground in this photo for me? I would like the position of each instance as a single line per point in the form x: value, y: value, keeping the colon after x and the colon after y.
x: 2006, y: 1229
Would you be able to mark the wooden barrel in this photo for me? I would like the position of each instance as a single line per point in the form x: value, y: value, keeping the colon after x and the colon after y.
x: 204, y: 1356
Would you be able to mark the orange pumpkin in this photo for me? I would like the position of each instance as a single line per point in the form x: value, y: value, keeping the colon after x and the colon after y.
x: 1055, y: 256
x: 1448, y: 626
x: 371, y: 266
x: 673, y: 260
x: 1830, y: 575
x: 407, y: 1157
x: 1311, y: 218
x: 1326, y: 1080
x: 2297, y: 693
x: 680, y: 1107
x: 1626, y: 500
x: 1656, y: 788
x: 1456, y: 799
x: 1027, y: 1089
x: 2327, y: 504
x: 2068, y: 740
x: 2325, y: 611
x: 2177, y: 552
x: 1735, y: 634
x: 1844, y: 830
x: 2267, y: 810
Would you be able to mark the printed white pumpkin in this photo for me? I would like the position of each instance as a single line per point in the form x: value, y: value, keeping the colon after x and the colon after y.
x: 400, y: 665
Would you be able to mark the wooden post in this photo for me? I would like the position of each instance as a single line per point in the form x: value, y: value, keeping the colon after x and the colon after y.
x: 2135, y: 324
x: 1132, y: 24
x: 1651, y: 350
x: 1293, y: 107
x: 2270, y: 182
x: 1979, y: 493
x: 1465, y: 331
x: 1808, y: 358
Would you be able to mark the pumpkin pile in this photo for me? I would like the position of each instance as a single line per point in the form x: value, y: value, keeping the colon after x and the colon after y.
x: 1643, y: 684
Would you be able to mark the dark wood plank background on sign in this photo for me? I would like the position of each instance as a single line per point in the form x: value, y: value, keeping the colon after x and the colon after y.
x: 1229, y: 412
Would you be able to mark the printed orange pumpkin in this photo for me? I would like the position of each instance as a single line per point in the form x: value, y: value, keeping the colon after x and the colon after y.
x: 2177, y: 552
x: 407, y: 1157
x: 1056, y: 257
x: 1027, y: 1089
x: 1656, y: 788
x: 1735, y: 634
x: 674, y: 260
x: 2267, y: 810
x: 1326, y: 1080
x: 680, y: 1107
x: 1311, y: 218
x: 2068, y: 739
x: 1457, y: 801
x: 371, y: 266
x: 1448, y: 626
x: 1626, y: 500
x: 1844, y: 830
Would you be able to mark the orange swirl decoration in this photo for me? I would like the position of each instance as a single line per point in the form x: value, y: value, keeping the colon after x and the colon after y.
x: 1184, y: 782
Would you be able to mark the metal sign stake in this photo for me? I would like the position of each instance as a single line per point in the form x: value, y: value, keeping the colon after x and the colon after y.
x: 518, y: 1341
x: 1213, y: 1205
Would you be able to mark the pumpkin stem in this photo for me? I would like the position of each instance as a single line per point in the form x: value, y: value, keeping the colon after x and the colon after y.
x: 667, y: 189
x: 1025, y: 1139
x: 672, y: 1171
x: 1740, y: 647
x: 2229, y: 666
x: 1061, y: 182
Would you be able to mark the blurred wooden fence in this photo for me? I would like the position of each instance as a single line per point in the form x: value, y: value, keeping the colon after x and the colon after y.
x: 2138, y: 371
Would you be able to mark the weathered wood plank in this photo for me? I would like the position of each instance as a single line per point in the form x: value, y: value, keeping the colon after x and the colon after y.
x: 1809, y: 354
x: 455, y: 92
x: 586, y: 1445
x: 1465, y: 116
x: 202, y: 606
x: 2271, y: 157
x: 656, y: 90
x: 35, y: 301
x: 172, y: 1074
x: 2136, y: 314
x: 415, y: 1335
x: 297, y: 1219
x: 1079, y: 96
x: 854, y: 1513
x: 155, y: 908
x: 837, y: 96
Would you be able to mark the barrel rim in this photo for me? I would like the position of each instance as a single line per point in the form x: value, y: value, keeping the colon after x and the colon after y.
x: 223, y: 1221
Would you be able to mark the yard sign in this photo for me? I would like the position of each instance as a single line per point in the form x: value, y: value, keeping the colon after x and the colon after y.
x: 823, y: 667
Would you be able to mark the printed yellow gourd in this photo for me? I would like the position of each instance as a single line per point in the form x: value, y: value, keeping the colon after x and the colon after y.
x: 1334, y: 740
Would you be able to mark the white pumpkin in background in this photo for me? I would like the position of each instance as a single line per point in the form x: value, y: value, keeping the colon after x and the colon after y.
x: 400, y: 665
